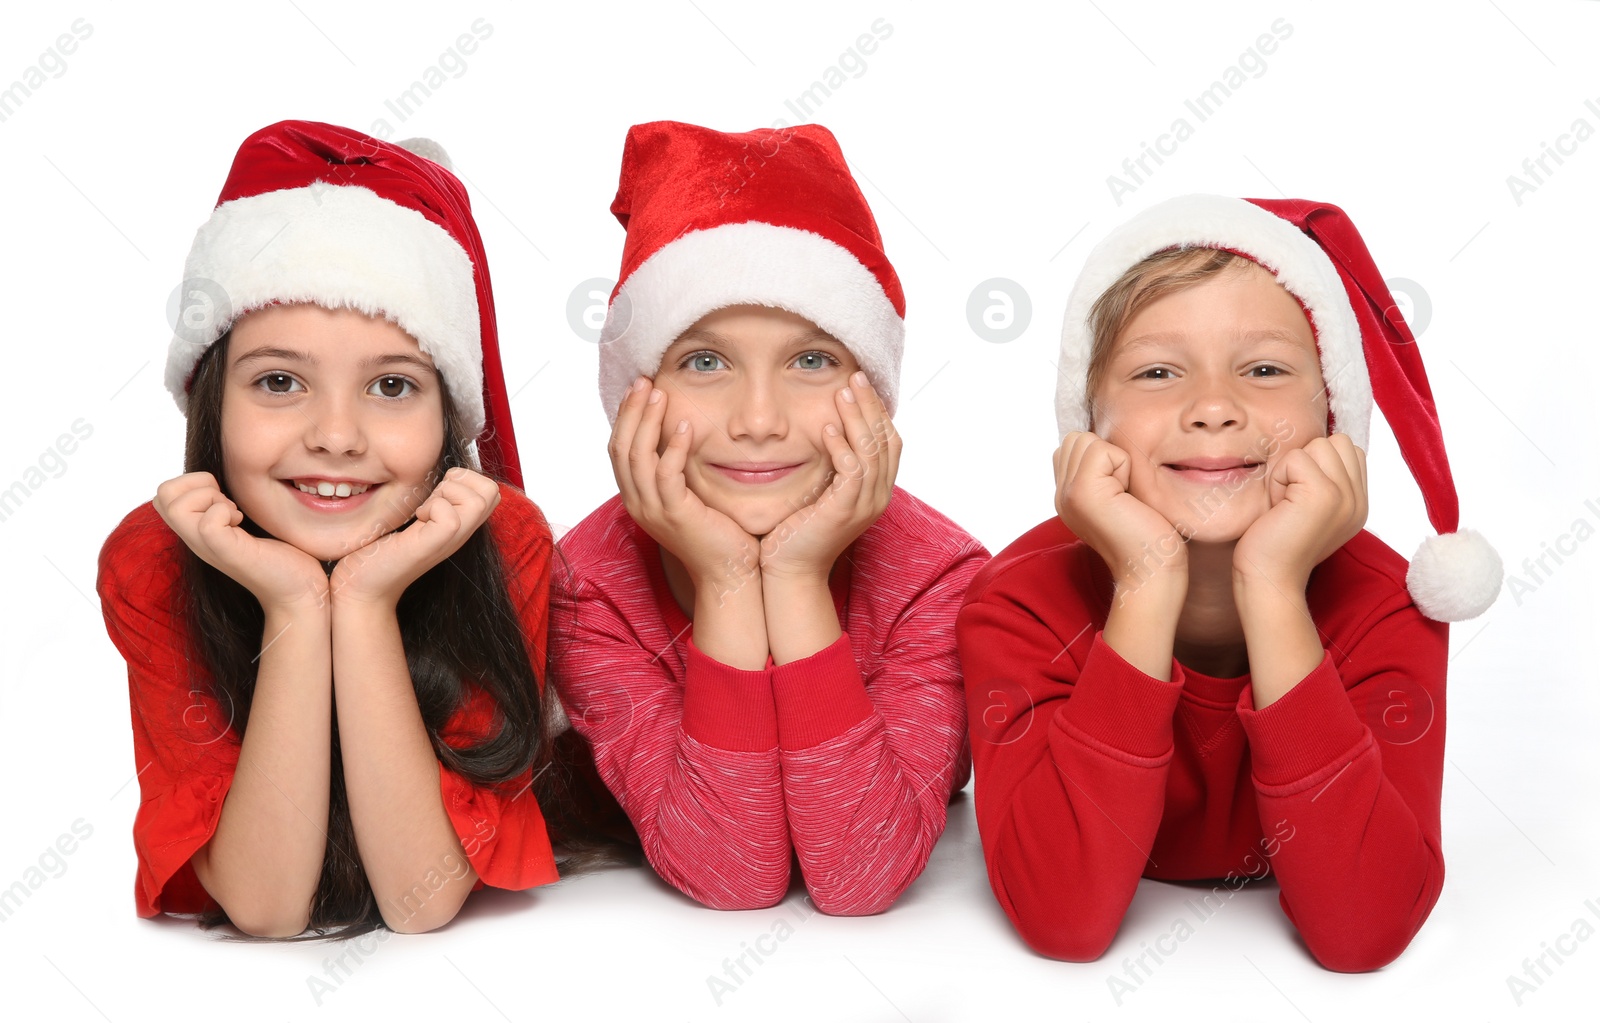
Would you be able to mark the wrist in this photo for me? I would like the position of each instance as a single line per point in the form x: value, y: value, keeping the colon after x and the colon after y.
x: 788, y: 576
x: 1163, y: 590
x: 305, y: 608
x: 729, y: 574
x: 1257, y: 586
x: 349, y: 605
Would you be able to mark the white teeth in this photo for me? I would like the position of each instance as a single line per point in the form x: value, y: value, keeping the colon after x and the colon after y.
x: 325, y: 489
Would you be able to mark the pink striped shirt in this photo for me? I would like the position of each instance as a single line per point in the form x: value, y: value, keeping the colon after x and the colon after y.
x: 847, y: 757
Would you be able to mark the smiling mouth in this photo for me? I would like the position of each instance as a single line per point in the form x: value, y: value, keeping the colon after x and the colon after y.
x: 327, y: 488
x: 756, y: 472
x: 1212, y: 465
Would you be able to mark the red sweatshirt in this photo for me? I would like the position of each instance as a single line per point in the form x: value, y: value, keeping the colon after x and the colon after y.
x: 1091, y: 774
x: 847, y: 757
x: 185, y: 750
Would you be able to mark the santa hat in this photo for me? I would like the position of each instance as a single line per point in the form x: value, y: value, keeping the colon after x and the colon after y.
x: 1367, y: 352
x: 321, y: 214
x: 767, y: 217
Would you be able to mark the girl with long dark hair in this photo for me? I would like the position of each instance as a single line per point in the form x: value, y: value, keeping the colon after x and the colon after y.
x: 334, y: 620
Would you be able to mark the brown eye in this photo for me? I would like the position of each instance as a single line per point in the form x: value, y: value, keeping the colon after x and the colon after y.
x: 391, y: 387
x: 278, y: 383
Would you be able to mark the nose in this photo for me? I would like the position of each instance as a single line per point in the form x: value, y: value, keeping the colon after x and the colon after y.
x: 759, y: 410
x: 334, y: 425
x: 1214, y: 406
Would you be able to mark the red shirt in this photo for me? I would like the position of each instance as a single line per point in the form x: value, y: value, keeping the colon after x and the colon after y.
x: 185, y: 750
x: 1091, y: 774
x: 847, y: 757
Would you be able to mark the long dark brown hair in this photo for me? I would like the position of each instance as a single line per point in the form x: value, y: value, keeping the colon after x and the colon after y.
x: 457, y: 621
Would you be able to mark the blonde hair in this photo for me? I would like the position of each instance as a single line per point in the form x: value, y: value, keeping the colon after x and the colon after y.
x: 1156, y: 276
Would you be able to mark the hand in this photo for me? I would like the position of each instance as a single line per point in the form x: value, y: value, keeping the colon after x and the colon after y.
x: 712, y: 547
x: 865, y: 450
x: 1318, y: 501
x: 276, y: 573
x: 1093, y: 501
x: 378, y: 572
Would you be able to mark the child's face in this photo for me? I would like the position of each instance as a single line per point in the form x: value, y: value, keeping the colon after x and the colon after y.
x: 757, y: 386
x: 317, y: 398
x: 1206, y: 389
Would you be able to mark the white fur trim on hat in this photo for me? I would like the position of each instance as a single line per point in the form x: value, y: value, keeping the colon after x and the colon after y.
x: 339, y: 247
x: 1221, y: 222
x: 748, y: 264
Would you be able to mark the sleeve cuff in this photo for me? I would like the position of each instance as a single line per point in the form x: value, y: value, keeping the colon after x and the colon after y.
x: 819, y: 697
x: 1119, y: 705
x: 728, y: 708
x: 169, y: 829
x: 504, y: 838
x: 1304, y: 730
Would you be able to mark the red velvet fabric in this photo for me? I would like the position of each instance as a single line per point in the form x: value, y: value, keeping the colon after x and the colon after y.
x: 1399, y: 380
x: 295, y: 154
x: 678, y: 178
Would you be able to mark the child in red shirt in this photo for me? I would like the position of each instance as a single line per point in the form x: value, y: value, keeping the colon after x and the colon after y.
x: 334, y: 621
x: 1203, y: 668
x: 755, y: 635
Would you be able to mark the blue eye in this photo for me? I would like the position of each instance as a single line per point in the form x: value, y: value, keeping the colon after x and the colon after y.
x: 703, y: 362
x: 391, y: 387
x: 278, y: 383
x: 815, y: 361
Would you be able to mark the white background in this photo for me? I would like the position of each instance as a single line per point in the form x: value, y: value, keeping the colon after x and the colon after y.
x: 983, y: 143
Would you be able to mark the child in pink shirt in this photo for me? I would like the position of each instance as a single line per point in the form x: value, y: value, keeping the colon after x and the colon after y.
x: 756, y: 635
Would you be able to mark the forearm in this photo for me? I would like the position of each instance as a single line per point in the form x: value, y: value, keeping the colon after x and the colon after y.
x: 263, y: 863
x: 800, y: 617
x: 1281, y: 638
x: 1143, y: 621
x: 729, y: 617
x: 409, y: 848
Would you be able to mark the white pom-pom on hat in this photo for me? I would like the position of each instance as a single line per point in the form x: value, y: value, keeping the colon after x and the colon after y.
x: 1455, y: 576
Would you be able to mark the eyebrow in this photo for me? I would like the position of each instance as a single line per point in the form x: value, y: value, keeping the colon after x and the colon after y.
x: 272, y: 354
x: 1143, y: 341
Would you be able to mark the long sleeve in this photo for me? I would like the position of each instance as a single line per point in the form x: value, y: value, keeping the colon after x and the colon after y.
x: 1348, y: 773
x: 185, y: 748
x: 869, y: 761
x: 691, y: 757
x: 1071, y: 748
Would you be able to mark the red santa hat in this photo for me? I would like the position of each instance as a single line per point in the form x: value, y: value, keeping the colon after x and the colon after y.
x: 768, y: 217
x: 321, y: 214
x: 1367, y: 352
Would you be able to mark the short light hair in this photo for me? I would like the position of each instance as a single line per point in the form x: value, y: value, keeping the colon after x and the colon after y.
x: 1156, y: 276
